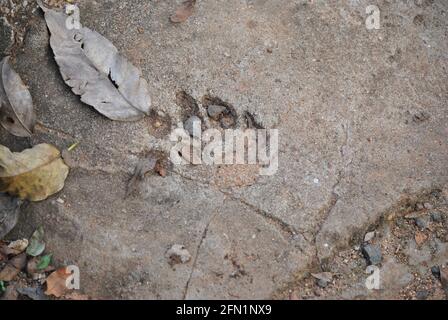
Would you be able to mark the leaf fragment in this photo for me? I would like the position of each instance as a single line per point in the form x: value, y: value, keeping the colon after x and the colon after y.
x: 16, y: 105
x: 32, y: 267
x: 185, y: 11
x: 57, y: 282
x: 13, y: 267
x: 420, y: 237
x: 19, y: 245
x: 37, y: 244
x: 92, y: 66
x: 44, y: 262
x: 33, y: 174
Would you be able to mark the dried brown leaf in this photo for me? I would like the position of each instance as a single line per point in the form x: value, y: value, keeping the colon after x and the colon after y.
x: 57, y: 283
x: 92, y: 66
x: 16, y: 106
x: 420, y: 237
x: 13, y: 267
x: 185, y: 11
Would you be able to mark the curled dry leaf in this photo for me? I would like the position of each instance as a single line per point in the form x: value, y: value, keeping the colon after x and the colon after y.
x: 6, y: 251
x: 13, y: 267
x: 91, y: 65
x: 57, y: 282
x: 184, y: 11
x: 44, y: 262
x: 9, y: 212
x: 39, y: 265
x: 33, y: 174
x: 37, y: 244
x: 16, y: 106
x: 19, y: 245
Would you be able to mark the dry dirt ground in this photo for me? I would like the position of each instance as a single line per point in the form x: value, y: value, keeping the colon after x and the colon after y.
x: 362, y: 118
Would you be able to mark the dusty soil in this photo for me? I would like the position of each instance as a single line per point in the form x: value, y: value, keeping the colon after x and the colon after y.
x: 362, y: 118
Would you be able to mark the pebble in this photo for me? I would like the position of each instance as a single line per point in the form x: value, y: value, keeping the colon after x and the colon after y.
x: 435, y: 270
x: 215, y: 111
x: 322, y: 283
x: 188, y: 124
x: 422, y: 222
x: 428, y: 206
x: 178, y: 254
x: 422, y: 294
x: 372, y: 253
x: 369, y: 236
x: 436, y: 216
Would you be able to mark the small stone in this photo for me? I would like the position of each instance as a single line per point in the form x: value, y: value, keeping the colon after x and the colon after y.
x: 435, y: 270
x: 322, y: 283
x: 422, y: 222
x: 419, y: 206
x: 178, y: 254
x: 422, y: 294
x: 436, y: 216
x: 372, y: 253
x: 60, y: 201
x: 215, y: 111
x: 189, y: 124
x: 38, y: 276
x: 428, y: 206
x: 369, y: 236
x: 325, y: 276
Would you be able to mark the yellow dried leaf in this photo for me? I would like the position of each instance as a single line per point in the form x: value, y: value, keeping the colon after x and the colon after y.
x: 33, y: 174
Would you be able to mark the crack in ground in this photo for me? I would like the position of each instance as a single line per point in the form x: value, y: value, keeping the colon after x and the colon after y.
x: 284, y: 227
x: 326, y: 211
x: 45, y: 129
x: 193, y: 267
x: 279, y: 223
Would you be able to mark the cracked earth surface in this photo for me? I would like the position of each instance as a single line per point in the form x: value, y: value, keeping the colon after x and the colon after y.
x: 346, y: 102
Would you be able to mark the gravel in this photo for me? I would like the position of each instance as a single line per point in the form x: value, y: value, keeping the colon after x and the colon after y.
x: 6, y: 37
x: 372, y: 253
x: 436, y: 216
